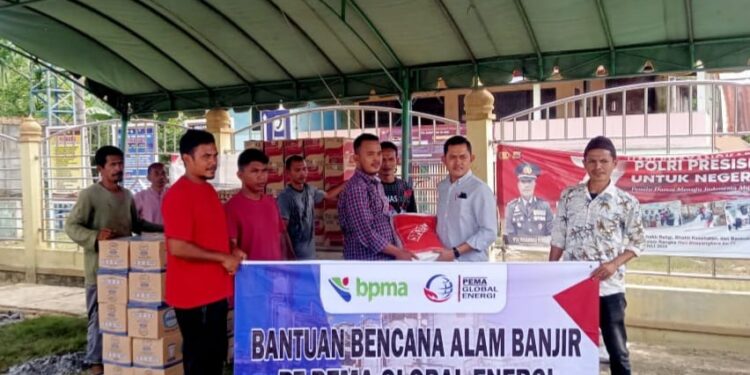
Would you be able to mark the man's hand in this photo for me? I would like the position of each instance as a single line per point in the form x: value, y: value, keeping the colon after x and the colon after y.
x: 405, y: 255
x: 231, y: 263
x: 239, y: 253
x: 105, y: 234
x: 445, y: 255
x: 604, y: 271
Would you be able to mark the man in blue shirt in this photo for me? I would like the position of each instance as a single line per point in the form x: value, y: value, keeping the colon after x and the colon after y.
x: 296, y: 206
x: 467, y: 208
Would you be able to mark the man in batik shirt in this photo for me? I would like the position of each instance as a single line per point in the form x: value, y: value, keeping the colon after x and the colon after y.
x: 596, y: 221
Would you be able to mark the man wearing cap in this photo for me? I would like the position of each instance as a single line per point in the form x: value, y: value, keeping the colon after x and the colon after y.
x: 528, y: 215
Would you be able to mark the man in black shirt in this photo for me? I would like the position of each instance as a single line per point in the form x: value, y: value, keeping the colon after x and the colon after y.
x: 400, y: 193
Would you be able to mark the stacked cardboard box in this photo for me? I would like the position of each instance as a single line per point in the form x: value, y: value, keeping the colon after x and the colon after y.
x: 140, y: 333
x: 112, y: 295
x: 275, y: 152
x: 330, y: 162
x: 339, y: 167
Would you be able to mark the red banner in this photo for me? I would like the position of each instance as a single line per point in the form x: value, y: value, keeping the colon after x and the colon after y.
x: 677, y: 193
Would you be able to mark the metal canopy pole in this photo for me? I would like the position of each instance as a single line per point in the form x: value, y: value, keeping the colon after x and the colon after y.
x: 405, y: 125
x: 124, y: 118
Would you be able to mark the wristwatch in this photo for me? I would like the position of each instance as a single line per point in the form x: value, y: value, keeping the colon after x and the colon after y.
x: 456, y: 253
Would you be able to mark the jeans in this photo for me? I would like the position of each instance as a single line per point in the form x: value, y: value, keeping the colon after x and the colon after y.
x: 612, y: 323
x: 204, y: 338
x: 93, y: 336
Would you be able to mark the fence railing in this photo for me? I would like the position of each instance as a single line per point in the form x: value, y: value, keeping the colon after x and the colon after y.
x: 428, y: 133
x: 68, y: 164
x: 676, y: 117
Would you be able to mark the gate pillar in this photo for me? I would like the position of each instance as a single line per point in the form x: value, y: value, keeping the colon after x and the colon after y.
x: 31, y: 182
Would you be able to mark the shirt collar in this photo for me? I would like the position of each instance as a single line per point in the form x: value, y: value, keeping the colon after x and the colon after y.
x: 609, y: 190
x: 367, y: 178
x: 463, y: 178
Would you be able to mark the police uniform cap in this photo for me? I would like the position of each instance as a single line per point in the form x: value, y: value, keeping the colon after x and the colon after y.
x: 527, y: 171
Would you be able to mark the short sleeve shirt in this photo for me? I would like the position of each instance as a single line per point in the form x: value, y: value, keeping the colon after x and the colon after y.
x: 256, y: 225
x: 193, y: 213
x: 297, y: 208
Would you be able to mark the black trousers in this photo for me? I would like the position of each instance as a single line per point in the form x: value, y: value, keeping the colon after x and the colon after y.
x: 612, y: 323
x: 204, y: 338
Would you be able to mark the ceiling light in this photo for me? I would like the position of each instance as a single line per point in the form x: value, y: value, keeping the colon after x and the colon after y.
x: 601, y: 71
x: 555, y: 76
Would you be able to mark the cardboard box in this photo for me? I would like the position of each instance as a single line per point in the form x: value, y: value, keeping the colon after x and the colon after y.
x: 176, y: 369
x: 230, y: 322
x: 315, y: 164
x: 147, y: 287
x: 147, y: 254
x: 293, y: 147
x: 110, y: 369
x: 162, y: 352
x: 334, y: 239
x: 273, y: 148
x: 276, y: 167
x: 112, y: 287
x: 114, y: 254
x: 151, y: 322
x: 337, y: 174
x: 117, y: 349
x: 314, y: 147
x: 113, y: 318
x: 339, y: 151
x: 320, y: 239
x: 258, y: 145
x: 331, y: 220
x: 275, y: 188
x: 318, y: 184
x: 319, y: 221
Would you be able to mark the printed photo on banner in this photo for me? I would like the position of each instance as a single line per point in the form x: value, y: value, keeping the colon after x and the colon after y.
x: 691, y: 205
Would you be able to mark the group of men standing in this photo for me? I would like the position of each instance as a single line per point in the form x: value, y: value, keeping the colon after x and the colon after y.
x: 206, y: 241
x: 466, y: 225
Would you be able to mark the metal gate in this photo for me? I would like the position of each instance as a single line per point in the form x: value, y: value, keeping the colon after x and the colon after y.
x: 428, y: 134
x: 68, y: 164
x: 11, y: 192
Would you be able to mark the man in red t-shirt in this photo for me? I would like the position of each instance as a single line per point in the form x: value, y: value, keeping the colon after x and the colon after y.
x: 200, y: 262
x: 255, y: 225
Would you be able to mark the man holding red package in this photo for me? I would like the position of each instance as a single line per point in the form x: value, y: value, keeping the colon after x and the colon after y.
x: 467, y: 214
x: 364, y: 212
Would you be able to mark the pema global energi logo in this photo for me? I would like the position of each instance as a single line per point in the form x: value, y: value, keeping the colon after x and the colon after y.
x: 439, y: 288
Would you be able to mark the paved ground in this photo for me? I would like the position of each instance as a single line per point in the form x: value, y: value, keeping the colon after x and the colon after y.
x: 647, y: 358
x: 651, y: 359
x: 33, y: 298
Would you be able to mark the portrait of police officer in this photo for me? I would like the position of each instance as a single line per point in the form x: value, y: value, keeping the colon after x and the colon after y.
x: 528, y: 215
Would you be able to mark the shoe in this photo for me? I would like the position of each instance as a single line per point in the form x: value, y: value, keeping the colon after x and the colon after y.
x: 96, y: 370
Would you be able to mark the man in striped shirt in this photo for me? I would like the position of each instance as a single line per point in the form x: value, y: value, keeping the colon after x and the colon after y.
x: 364, y: 212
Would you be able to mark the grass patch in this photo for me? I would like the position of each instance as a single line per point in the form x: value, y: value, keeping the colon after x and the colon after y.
x: 39, y: 337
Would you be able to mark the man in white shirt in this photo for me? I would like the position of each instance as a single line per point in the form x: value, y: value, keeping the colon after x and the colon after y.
x: 596, y: 221
x: 467, y: 208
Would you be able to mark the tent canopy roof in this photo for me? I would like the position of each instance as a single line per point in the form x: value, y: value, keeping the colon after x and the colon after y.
x: 166, y: 55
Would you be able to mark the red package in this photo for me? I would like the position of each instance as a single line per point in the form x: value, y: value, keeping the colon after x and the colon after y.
x: 417, y: 232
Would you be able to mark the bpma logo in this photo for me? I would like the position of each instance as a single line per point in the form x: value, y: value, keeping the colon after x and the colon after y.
x: 341, y: 286
x: 368, y: 290
x: 439, y: 288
